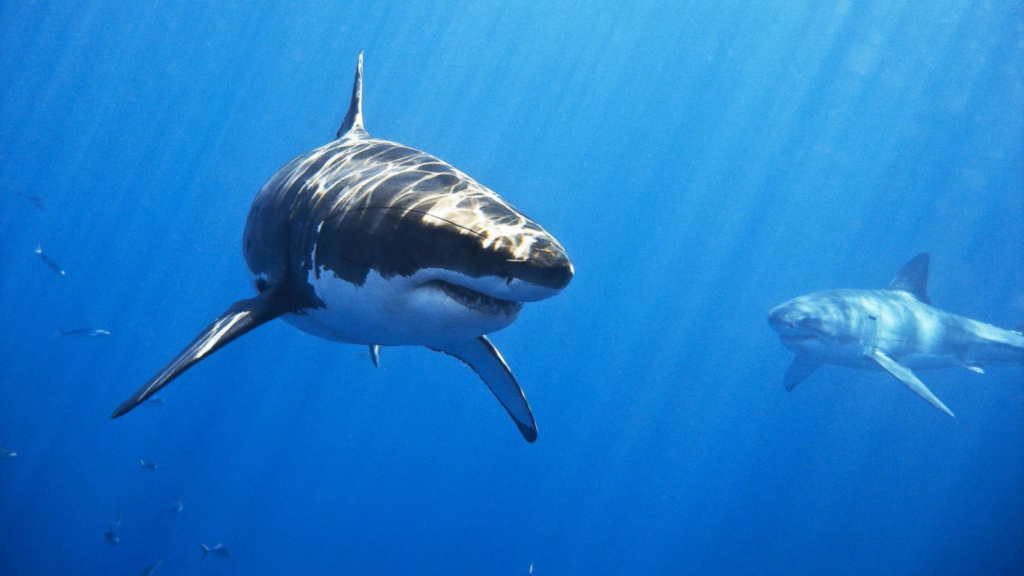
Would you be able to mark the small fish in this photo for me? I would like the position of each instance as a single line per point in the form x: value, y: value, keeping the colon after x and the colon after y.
x: 49, y: 261
x: 149, y: 570
x: 177, y: 507
x: 32, y: 199
x: 111, y: 534
x: 155, y: 402
x: 85, y: 332
x: 217, y: 550
x: 143, y: 465
x: 6, y: 452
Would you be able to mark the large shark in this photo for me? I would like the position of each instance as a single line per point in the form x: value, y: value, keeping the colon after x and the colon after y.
x: 896, y: 330
x: 370, y: 242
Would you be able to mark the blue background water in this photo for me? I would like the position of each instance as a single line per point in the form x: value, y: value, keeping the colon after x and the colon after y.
x: 700, y: 162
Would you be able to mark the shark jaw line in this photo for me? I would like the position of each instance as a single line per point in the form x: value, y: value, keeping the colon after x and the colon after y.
x: 475, y: 300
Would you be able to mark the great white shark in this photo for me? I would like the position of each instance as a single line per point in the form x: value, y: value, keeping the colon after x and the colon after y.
x: 896, y: 330
x: 366, y: 241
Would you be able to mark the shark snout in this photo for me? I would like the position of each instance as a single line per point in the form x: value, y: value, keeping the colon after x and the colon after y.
x: 784, y: 317
x: 546, y: 268
x: 790, y: 320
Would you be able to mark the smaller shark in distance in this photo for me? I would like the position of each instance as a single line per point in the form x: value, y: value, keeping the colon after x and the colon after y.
x: 32, y: 199
x: 217, y: 549
x: 111, y: 534
x: 151, y: 569
x: 896, y: 330
x: 144, y: 465
x: 50, y: 262
x: 6, y: 452
x: 84, y: 332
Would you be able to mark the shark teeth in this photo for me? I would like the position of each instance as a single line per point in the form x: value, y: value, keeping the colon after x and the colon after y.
x: 479, y: 301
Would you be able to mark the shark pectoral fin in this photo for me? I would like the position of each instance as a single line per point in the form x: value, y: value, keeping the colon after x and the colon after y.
x: 799, y: 370
x: 903, y: 374
x: 480, y: 355
x: 240, y: 318
x: 375, y: 355
x: 974, y: 368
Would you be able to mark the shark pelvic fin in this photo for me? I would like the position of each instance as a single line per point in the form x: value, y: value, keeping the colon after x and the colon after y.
x: 973, y: 368
x: 913, y: 278
x: 353, y: 121
x: 480, y: 355
x: 239, y: 319
x: 903, y: 374
x: 799, y: 370
x: 375, y: 355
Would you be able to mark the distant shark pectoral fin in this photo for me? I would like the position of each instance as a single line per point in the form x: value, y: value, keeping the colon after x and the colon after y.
x: 799, y: 370
x: 239, y: 319
x: 903, y: 374
x: 480, y: 355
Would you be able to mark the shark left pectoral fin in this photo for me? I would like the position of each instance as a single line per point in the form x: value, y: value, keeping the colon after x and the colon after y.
x: 237, y: 320
x: 799, y: 370
x: 904, y: 375
x: 375, y: 355
x: 480, y: 355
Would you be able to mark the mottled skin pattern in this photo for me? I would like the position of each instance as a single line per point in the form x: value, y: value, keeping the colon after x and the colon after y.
x: 896, y: 330
x: 362, y: 202
x: 843, y: 327
x: 370, y: 242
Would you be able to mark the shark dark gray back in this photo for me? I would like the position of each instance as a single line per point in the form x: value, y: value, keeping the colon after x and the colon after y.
x: 371, y: 242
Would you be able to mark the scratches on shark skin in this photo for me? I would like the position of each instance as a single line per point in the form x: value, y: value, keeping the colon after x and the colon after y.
x: 366, y: 241
x: 895, y: 330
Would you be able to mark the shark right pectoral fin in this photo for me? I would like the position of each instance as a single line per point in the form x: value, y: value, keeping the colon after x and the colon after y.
x: 799, y: 370
x: 480, y: 355
x: 237, y: 320
x: 903, y: 374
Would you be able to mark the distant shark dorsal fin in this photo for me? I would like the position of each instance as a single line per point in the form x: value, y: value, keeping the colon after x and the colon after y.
x: 913, y: 278
x: 353, y: 121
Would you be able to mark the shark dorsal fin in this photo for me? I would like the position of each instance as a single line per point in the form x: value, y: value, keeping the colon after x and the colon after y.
x: 353, y: 121
x: 913, y: 278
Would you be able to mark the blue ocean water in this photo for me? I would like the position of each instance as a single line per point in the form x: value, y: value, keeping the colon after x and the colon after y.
x: 701, y: 162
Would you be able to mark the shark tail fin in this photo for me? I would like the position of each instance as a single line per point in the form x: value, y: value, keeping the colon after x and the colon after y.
x: 353, y: 121
x: 206, y: 550
x: 237, y: 320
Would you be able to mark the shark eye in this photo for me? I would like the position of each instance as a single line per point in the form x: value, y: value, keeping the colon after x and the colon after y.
x: 261, y: 284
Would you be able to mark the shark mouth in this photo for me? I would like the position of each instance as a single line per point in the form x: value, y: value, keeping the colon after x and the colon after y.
x: 798, y: 338
x: 477, y: 300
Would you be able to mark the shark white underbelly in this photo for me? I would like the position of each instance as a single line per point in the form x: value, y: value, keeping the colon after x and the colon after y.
x: 370, y: 242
